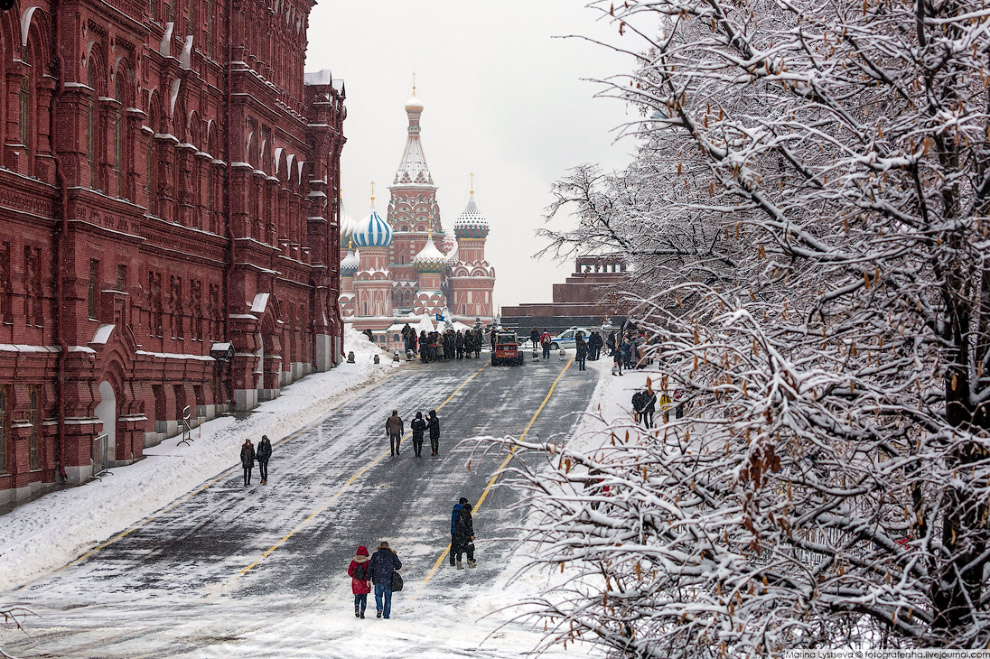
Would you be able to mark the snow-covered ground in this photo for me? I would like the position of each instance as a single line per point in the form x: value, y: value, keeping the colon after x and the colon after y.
x: 54, y: 529
x: 456, y: 614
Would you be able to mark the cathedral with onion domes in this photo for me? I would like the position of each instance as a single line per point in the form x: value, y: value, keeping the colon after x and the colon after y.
x: 404, y: 267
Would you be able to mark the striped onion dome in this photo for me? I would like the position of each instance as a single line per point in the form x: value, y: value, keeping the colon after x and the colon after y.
x: 349, y: 264
x: 347, y: 225
x: 430, y: 259
x: 471, y: 223
x: 373, y: 231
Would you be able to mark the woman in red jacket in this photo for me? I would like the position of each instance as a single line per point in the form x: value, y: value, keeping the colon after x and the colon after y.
x: 360, y: 581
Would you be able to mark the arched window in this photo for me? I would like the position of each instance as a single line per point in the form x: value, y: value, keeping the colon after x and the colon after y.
x: 26, y: 100
x: 4, y: 431
x: 34, y: 421
x: 119, y: 137
x: 92, y: 126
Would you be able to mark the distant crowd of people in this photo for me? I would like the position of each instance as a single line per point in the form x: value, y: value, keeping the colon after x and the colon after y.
x: 443, y: 346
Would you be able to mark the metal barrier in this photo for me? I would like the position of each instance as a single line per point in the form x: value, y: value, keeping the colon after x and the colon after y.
x: 186, y: 428
x: 101, y: 446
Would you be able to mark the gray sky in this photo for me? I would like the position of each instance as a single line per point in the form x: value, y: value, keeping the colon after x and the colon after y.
x: 502, y: 97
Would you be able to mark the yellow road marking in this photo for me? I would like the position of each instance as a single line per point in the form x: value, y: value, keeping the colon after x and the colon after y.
x: 336, y: 496
x: 498, y: 472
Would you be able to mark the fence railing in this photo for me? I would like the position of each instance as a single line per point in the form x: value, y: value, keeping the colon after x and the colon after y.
x: 101, y: 461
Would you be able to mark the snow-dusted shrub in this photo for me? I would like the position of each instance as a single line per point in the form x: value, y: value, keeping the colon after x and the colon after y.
x: 807, y: 220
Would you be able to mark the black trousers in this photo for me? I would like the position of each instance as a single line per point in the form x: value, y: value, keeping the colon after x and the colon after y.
x: 393, y: 443
x: 418, y: 445
x: 546, y: 351
x: 435, y: 444
x: 247, y: 474
x: 263, y: 469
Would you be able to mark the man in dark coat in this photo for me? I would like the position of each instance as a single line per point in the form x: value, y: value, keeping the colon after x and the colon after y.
x: 263, y: 454
x: 418, y: 426
x: 459, y: 345
x: 434, y: 424
x: 394, y: 428
x: 639, y: 405
x: 464, y: 536
x: 534, y: 337
x: 453, y: 527
x: 383, y: 563
x: 247, y: 460
x: 649, y: 407
x: 582, y: 350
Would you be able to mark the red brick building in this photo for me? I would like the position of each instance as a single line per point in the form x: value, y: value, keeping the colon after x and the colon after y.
x: 168, y: 189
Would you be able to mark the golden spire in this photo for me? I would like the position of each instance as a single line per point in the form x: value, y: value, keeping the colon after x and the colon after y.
x: 350, y: 244
x: 372, y: 193
x: 414, y: 83
x: 472, y: 184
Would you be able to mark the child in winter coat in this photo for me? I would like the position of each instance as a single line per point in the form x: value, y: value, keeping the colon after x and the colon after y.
x: 360, y: 580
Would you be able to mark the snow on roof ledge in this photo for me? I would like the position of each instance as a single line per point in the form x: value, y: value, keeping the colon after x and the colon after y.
x: 103, y: 334
x: 260, y: 303
x: 321, y: 77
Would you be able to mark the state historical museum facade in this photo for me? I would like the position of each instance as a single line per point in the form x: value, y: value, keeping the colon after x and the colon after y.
x: 168, y: 199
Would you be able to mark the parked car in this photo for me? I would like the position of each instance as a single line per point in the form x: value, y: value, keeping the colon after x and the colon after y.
x: 568, y: 338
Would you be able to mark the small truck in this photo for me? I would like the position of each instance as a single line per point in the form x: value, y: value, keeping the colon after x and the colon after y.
x: 507, y: 350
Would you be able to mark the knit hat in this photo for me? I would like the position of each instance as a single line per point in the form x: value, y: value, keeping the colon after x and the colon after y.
x: 362, y: 551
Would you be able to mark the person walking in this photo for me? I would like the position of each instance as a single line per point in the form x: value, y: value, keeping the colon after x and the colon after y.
x: 545, y: 341
x: 394, y: 427
x: 617, y: 361
x: 263, y: 454
x: 639, y: 407
x: 383, y: 564
x: 464, y: 536
x: 360, y: 576
x: 534, y: 337
x: 434, y: 424
x: 453, y: 528
x: 247, y: 460
x: 582, y: 350
x: 626, y: 351
x: 418, y: 426
x: 650, y: 407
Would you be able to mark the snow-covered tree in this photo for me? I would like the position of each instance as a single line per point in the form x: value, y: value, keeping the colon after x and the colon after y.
x: 808, y: 223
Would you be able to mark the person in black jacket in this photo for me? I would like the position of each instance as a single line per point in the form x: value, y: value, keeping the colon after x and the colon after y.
x: 383, y: 563
x: 464, y: 536
x: 263, y: 454
x: 434, y: 424
x: 582, y: 350
x: 418, y: 426
x: 247, y: 460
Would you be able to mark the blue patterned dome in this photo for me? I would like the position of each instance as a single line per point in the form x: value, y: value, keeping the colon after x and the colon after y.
x: 372, y: 231
x: 471, y: 223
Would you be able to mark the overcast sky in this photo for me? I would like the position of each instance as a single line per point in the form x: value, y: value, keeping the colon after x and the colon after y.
x: 503, y: 99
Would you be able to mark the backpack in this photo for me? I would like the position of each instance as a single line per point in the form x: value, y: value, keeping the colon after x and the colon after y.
x: 361, y: 572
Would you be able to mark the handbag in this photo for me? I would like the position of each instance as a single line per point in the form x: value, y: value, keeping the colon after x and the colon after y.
x: 396, y: 584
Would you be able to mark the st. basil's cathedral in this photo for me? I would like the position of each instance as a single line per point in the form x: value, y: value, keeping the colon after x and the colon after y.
x: 405, y: 267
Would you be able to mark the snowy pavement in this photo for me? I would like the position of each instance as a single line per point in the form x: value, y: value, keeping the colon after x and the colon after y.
x: 224, y: 570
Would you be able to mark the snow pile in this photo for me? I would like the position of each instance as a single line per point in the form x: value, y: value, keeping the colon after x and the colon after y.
x: 47, y: 533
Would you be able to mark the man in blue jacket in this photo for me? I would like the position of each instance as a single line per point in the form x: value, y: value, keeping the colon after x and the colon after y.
x: 383, y: 563
x: 453, y: 528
